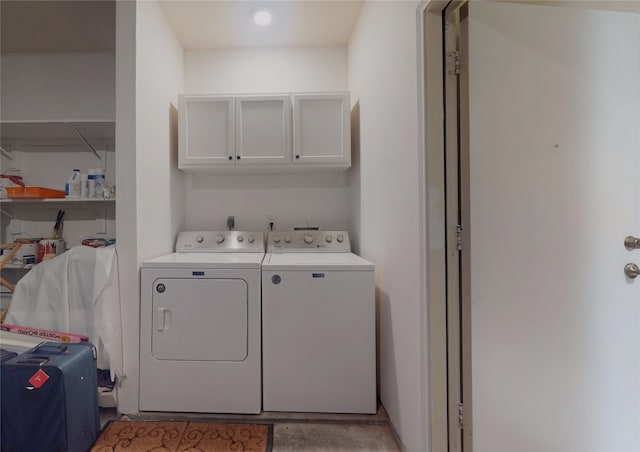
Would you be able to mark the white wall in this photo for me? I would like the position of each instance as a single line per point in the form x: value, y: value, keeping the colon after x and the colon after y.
x: 266, y: 70
x: 58, y: 86
x: 291, y: 200
x: 159, y: 80
x: 383, y: 78
x: 157, y: 184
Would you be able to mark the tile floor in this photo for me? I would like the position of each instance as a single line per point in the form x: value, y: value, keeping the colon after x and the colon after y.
x: 302, y: 432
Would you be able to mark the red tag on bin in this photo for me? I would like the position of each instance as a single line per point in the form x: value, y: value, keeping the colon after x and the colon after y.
x: 39, y: 378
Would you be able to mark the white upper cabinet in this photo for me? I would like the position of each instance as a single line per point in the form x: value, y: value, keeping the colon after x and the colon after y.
x: 206, y: 131
x: 263, y: 130
x: 256, y: 134
x: 321, y: 129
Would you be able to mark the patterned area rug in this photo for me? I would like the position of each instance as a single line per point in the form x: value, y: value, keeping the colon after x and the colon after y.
x: 143, y: 436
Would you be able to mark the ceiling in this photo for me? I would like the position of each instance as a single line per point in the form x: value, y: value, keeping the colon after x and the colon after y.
x: 223, y: 24
x: 29, y: 26
x: 57, y: 26
x: 89, y: 25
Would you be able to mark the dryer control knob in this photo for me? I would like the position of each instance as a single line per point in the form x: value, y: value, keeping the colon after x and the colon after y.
x: 308, y: 239
x: 340, y: 238
x: 199, y: 239
x: 251, y: 239
x: 329, y: 239
x: 240, y: 239
x: 219, y: 238
x: 287, y: 239
x: 276, y: 239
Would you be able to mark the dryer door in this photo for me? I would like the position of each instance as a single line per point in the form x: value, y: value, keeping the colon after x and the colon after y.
x: 199, y: 319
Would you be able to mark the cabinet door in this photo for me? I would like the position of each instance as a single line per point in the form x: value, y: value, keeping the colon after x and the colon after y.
x: 263, y: 129
x: 205, y: 131
x: 321, y: 129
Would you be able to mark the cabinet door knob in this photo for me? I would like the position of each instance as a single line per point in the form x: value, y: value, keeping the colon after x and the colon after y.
x: 230, y: 157
x: 237, y: 157
x: 297, y: 156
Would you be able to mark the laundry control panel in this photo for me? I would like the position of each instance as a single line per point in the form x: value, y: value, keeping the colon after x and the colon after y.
x: 220, y: 241
x: 308, y: 241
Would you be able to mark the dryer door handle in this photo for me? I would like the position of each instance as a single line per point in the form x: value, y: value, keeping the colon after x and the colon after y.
x: 163, y: 318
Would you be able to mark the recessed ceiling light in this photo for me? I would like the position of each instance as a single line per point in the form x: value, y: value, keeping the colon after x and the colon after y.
x: 262, y: 17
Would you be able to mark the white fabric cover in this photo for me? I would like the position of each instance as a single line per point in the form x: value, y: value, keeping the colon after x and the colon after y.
x: 76, y: 292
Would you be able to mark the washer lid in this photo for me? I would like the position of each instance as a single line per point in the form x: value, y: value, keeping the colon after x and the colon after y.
x: 316, y: 261
x: 206, y: 260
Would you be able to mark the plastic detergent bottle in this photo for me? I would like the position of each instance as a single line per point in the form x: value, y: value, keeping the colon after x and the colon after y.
x: 91, y: 183
x: 72, y: 187
x: 84, y: 187
x: 99, y: 183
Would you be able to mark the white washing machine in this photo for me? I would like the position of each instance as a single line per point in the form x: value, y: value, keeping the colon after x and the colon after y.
x: 318, y: 325
x: 200, y: 338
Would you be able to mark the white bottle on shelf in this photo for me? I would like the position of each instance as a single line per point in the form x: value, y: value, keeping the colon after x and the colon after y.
x: 99, y: 182
x: 72, y: 188
x: 84, y: 186
x: 91, y: 183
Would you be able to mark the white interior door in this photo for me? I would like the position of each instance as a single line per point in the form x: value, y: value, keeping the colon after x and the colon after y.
x: 554, y: 108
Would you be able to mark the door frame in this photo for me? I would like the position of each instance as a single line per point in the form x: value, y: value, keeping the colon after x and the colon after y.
x: 448, y: 344
x: 433, y: 145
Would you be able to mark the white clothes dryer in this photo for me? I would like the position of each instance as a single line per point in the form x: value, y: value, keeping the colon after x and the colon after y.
x: 318, y: 325
x: 200, y: 329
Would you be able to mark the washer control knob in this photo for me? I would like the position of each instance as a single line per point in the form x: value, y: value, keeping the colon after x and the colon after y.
x: 340, y: 238
x: 329, y: 239
x: 219, y: 238
x: 276, y: 239
x: 308, y: 239
x: 251, y: 239
x: 287, y: 239
x: 240, y: 239
x: 199, y: 239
